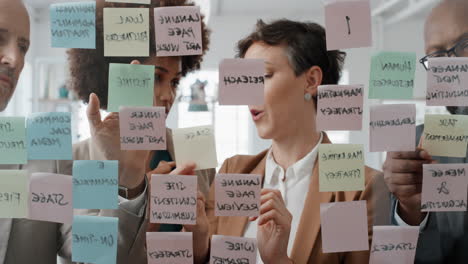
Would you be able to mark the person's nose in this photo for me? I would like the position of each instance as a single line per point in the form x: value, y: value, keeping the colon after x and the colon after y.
x: 10, y: 55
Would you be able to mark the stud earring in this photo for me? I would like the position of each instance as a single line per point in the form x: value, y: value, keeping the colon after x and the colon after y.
x: 307, y: 97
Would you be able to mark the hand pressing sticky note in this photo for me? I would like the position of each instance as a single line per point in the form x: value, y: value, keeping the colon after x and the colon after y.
x: 392, y: 75
x: 444, y: 187
x: 130, y: 85
x: 13, y: 193
x: 344, y: 226
x: 131, y: 1
x: 195, y: 144
x: 237, y: 194
x: 447, y: 82
x: 229, y: 249
x: 178, y: 31
x: 51, y: 198
x: 73, y: 25
x: 392, y: 127
x: 446, y: 135
x: 169, y: 247
x: 341, y: 167
x: 95, y: 239
x: 13, y: 146
x: 142, y: 128
x: 49, y: 136
x: 394, y: 244
x: 126, y: 32
x: 95, y: 184
x: 241, y: 82
x: 340, y: 107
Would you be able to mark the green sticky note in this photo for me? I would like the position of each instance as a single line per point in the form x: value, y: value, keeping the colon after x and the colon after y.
x: 130, y: 85
x: 13, y: 148
x: 392, y: 75
x: 341, y: 167
x: 14, y: 194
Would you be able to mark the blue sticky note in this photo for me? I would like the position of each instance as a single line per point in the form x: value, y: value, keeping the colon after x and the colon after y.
x: 73, y: 25
x: 95, y: 239
x: 49, y: 136
x: 95, y: 184
x: 13, y: 140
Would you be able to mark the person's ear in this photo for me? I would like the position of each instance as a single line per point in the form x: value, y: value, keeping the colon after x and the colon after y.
x: 135, y: 62
x: 314, y: 77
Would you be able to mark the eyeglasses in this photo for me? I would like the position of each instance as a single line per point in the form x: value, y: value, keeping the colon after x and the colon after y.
x: 459, y: 50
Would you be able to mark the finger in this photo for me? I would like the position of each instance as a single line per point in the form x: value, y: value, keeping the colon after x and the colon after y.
x: 421, y: 141
x: 410, y: 155
x: 92, y: 111
x: 273, y: 215
x: 406, y: 178
x: 135, y: 62
x: 112, y: 116
x: 253, y: 218
x: 271, y: 205
x: 407, y: 191
x: 406, y: 166
x: 271, y: 194
x: 201, y: 197
x: 186, y: 169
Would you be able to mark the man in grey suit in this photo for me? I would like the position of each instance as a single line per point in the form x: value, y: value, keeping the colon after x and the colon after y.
x: 443, y: 235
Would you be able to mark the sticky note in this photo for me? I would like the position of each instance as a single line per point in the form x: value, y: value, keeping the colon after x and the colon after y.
x: 447, y: 82
x: 73, y: 25
x: 394, y: 244
x: 13, y: 146
x: 131, y: 1
x: 95, y: 239
x: 49, y: 136
x: 392, y: 75
x: 195, y: 144
x: 50, y: 198
x: 178, y: 31
x: 237, y: 194
x: 13, y: 193
x: 446, y: 135
x: 142, y: 128
x: 341, y: 167
x: 169, y: 247
x: 344, y: 226
x: 339, y: 107
x: 392, y: 127
x: 130, y: 85
x: 444, y: 187
x: 348, y: 24
x: 95, y: 184
x: 126, y: 32
x: 229, y: 249
x: 173, y: 199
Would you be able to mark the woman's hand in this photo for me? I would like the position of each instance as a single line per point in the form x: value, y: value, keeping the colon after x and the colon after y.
x: 200, y: 231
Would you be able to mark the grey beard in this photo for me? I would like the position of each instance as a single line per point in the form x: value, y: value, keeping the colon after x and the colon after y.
x: 458, y: 110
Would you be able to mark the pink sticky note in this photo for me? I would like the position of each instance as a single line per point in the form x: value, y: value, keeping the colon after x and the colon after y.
x: 237, y: 194
x: 51, y: 198
x: 344, y: 226
x: 340, y: 107
x: 394, y: 244
x: 444, y: 187
x: 173, y: 199
x: 241, y: 82
x: 348, y: 24
x: 228, y: 249
x: 142, y: 128
x: 169, y: 247
x: 392, y: 127
x: 178, y: 31
x: 447, y: 82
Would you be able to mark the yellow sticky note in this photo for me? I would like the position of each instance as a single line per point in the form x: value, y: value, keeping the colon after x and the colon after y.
x: 341, y: 167
x: 446, y: 135
x: 13, y: 193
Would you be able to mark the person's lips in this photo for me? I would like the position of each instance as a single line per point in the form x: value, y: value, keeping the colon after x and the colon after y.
x: 6, y: 79
x: 256, y: 114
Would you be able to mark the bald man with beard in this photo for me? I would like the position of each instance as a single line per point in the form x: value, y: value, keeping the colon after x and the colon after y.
x: 443, y: 236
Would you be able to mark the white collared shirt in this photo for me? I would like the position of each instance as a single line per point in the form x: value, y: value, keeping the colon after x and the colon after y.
x: 294, y: 189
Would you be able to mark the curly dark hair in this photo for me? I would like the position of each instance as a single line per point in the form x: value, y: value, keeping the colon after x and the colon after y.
x: 89, y: 68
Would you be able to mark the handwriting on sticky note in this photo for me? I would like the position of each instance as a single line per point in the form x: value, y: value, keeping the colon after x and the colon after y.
x: 229, y: 249
x: 446, y: 135
x: 237, y: 194
x: 241, y: 82
x: 95, y: 184
x: 126, y: 32
x: 340, y: 107
x: 394, y: 244
x: 142, y: 128
x: 13, y: 193
x: 195, y: 144
x: 447, y: 82
x: 131, y: 1
x: 169, y: 247
x: 444, y: 187
x: 13, y: 146
x: 173, y: 199
x: 392, y: 127
x: 341, y: 167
